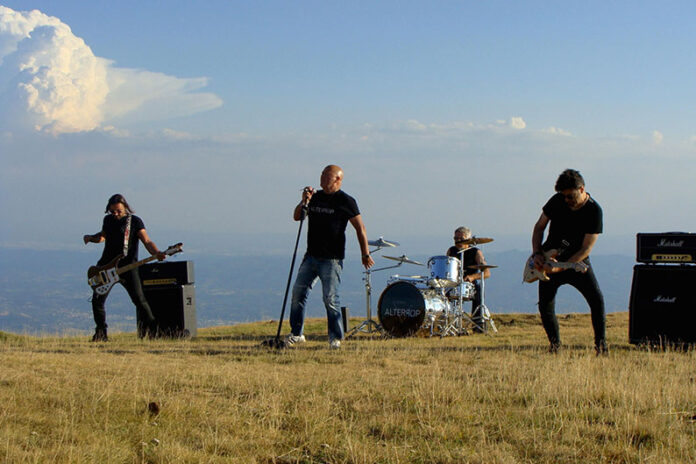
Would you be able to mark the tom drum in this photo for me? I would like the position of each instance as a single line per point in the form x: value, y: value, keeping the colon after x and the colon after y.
x: 444, y: 271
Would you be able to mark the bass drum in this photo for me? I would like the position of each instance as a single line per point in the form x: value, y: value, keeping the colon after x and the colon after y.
x: 403, y: 308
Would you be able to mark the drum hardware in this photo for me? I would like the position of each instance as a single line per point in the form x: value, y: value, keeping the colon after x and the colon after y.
x: 466, y: 290
x: 417, y: 279
x: 454, y: 325
x: 431, y: 304
x: 475, y: 241
x: 457, y: 325
x: 402, y: 259
x: 484, y: 313
x: 369, y: 325
x: 381, y: 243
x: 482, y: 267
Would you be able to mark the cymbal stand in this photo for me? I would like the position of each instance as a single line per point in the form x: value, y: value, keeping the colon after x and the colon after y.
x: 456, y: 327
x: 369, y: 325
x: 485, y: 314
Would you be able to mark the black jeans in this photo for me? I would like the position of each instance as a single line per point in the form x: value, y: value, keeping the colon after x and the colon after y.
x: 131, y: 282
x: 587, y: 285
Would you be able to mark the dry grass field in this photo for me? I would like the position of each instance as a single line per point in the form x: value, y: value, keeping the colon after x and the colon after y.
x: 222, y: 398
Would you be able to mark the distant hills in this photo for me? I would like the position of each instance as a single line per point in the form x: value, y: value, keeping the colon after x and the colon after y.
x: 46, y: 291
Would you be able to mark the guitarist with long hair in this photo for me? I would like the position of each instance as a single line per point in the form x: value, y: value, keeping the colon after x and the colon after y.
x: 575, y: 222
x: 120, y: 233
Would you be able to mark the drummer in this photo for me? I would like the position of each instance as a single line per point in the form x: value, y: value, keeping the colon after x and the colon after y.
x: 471, y: 256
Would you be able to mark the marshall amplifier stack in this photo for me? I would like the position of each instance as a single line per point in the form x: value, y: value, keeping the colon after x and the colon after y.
x: 662, y: 307
x: 169, y: 289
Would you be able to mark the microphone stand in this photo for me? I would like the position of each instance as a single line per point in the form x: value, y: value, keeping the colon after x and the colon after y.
x: 277, y: 342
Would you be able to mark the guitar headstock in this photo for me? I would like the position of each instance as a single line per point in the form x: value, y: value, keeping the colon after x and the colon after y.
x: 174, y: 249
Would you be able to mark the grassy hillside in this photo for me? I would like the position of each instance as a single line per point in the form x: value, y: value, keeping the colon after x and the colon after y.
x: 223, y: 398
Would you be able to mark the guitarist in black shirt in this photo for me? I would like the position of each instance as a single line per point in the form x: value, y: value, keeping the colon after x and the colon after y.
x: 119, y: 219
x: 575, y: 220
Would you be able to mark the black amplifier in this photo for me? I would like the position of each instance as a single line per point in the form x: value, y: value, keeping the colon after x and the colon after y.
x: 662, y: 308
x: 163, y: 273
x: 174, y: 308
x: 666, y: 247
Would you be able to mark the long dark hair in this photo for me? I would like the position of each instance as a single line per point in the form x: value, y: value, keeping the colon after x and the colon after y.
x: 116, y: 199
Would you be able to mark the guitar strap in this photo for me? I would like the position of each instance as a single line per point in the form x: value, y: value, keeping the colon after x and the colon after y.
x: 126, y: 236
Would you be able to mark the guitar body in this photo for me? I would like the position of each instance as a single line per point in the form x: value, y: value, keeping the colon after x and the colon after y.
x: 532, y: 274
x: 103, y: 278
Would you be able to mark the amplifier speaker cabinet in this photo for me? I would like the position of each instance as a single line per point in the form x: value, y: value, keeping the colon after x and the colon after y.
x: 667, y: 247
x: 662, y: 308
x: 167, y: 273
x: 174, y: 308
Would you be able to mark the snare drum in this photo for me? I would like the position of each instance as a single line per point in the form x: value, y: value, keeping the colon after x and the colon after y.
x: 418, y: 281
x: 444, y: 271
x: 403, y: 308
x: 468, y: 291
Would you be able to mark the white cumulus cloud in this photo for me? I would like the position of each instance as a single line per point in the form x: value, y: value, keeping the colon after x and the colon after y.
x: 51, y: 81
x: 657, y: 137
x: 557, y: 131
x: 517, y: 123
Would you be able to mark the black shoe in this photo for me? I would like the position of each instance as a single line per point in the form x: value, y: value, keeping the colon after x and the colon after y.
x: 601, y: 349
x: 100, y: 336
x: 554, y: 348
x: 153, y: 332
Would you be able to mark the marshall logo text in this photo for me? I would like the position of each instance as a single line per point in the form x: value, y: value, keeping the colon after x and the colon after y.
x: 670, y: 243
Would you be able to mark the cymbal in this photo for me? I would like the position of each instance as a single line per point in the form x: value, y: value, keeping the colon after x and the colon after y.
x: 476, y: 240
x: 380, y: 242
x: 482, y: 267
x: 403, y: 259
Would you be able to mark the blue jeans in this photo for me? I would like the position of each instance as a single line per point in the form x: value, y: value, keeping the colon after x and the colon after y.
x: 311, y: 270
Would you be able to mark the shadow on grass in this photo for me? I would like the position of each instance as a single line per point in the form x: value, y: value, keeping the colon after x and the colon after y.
x: 350, y: 346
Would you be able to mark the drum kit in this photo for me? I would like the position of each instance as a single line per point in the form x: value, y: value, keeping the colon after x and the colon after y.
x: 427, y: 304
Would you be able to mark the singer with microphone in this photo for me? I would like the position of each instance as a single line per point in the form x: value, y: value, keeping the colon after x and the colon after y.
x: 328, y: 211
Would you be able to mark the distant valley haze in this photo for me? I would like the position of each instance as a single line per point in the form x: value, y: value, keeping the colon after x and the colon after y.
x: 45, y: 291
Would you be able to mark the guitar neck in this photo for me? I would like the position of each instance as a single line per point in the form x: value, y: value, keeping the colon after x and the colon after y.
x: 131, y: 266
x: 563, y: 265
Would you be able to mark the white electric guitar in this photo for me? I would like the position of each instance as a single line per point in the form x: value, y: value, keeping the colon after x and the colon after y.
x: 532, y: 274
x: 102, y: 278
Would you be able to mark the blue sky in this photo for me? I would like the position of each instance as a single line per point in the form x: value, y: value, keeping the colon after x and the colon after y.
x: 211, y: 116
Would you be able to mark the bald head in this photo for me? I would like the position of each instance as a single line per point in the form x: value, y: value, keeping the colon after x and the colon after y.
x: 331, y: 178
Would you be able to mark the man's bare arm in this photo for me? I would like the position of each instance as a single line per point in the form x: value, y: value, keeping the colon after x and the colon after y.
x: 587, y: 243
x: 537, y: 237
x: 357, y: 223
x: 96, y: 238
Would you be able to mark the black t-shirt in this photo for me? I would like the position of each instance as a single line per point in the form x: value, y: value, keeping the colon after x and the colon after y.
x: 469, y: 258
x: 328, y: 217
x: 114, y: 230
x: 568, y: 227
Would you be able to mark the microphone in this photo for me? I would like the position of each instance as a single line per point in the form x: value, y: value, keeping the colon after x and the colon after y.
x: 310, y: 190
